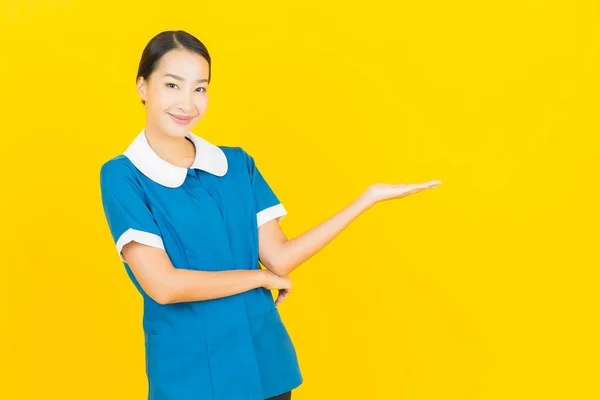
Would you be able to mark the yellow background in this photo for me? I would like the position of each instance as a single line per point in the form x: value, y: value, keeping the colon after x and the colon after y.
x: 483, y: 288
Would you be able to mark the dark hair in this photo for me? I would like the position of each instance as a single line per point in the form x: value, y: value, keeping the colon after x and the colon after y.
x: 164, y: 42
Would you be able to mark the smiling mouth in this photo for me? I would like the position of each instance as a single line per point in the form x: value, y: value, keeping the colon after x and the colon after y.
x: 180, y: 119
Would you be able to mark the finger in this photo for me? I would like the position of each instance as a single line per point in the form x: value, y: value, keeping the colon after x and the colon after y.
x: 284, y: 294
x: 432, y: 183
x: 413, y: 188
x: 426, y: 185
x: 279, y: 299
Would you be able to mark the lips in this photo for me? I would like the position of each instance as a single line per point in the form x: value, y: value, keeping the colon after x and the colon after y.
x: 182, y: 120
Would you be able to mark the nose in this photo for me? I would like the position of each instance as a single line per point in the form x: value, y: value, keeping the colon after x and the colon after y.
x: 185, y: 103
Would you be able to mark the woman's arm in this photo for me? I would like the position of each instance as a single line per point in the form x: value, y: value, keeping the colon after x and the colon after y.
x: 281, y: 255
x: 166, y: 284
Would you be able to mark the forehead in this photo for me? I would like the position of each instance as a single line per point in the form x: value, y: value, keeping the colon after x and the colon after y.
x: 184, y: 63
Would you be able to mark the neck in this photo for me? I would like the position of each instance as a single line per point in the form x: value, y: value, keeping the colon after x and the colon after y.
x: 176, y: 150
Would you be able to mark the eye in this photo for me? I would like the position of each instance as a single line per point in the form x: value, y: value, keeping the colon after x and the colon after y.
x: 203, y: 88
x: 170, y: 84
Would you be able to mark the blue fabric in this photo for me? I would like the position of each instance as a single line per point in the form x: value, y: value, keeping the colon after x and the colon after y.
x: 124, y: 202
x: 231, y: 348
x: 264, y: 197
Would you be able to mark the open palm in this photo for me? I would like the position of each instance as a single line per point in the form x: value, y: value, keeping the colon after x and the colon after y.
x: 385, y: 191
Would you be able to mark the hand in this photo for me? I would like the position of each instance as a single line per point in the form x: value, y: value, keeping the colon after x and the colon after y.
x: 275, y: 282
x: 384, y: 191
x: 283, y: 293
x: 272, y: 281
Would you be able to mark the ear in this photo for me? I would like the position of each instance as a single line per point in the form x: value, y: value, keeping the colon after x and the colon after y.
x: 142, y: 87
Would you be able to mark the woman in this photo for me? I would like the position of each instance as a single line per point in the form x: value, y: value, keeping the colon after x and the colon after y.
x: 191, y: 220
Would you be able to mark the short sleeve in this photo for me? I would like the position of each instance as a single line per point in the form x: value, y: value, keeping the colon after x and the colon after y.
x: 268, y: 206
x: 129, y: 217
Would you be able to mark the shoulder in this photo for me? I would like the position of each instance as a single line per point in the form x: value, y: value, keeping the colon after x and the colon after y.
x: 233, y: 151
x: 237, y: 156
x: 117, y: 172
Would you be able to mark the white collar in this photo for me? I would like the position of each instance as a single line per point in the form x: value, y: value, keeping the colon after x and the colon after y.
x: 209, y: 158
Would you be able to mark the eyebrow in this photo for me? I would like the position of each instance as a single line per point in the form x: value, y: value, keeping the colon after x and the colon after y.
x: 181, y: 79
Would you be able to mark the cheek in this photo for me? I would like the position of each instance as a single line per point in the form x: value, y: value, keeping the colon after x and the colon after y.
x: 202, y: 103
x: 165, y: 99
x: 157, y: 98
x: 159, y: 108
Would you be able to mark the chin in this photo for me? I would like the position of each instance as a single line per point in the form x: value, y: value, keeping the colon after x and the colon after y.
x: 177, y: 130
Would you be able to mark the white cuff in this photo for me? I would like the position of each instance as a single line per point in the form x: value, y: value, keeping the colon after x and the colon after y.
x: 276, y: 211
x: 146, y: 238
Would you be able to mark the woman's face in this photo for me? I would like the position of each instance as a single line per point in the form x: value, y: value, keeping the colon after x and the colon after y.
x: 178, y: 87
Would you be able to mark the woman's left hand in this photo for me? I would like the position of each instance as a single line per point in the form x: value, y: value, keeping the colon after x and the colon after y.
x: 385, y: 191
x: 283, y: 293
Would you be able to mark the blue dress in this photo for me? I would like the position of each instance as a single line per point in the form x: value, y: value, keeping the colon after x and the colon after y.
x: 206, y: 218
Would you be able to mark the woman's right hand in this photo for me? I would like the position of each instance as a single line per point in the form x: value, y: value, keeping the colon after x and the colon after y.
x: 272, y: 281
